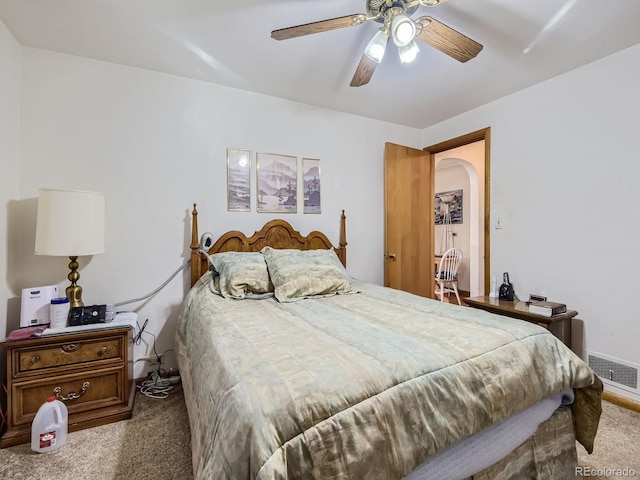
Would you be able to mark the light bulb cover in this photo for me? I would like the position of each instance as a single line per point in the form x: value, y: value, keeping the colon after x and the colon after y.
x: 377, y: 45
x: 403, y: 30
x: 409, y: 52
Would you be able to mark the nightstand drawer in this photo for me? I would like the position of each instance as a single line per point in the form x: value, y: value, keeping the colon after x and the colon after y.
x: 91, y: 369
x: 67, y: 353
x: 104, y: 389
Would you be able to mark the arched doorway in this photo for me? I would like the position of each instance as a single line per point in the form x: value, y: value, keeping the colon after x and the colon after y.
x: 464, y: 175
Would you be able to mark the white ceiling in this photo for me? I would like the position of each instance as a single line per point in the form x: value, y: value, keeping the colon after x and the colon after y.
x: 525, y: 42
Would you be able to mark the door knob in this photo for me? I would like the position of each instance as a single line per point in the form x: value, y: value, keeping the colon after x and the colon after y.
x: 392, y: 256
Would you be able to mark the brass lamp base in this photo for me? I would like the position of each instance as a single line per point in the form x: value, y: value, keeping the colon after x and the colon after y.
x: 74, y: 291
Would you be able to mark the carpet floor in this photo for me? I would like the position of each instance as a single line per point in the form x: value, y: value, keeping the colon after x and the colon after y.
x: 616, y: 448
x: 155, y: 445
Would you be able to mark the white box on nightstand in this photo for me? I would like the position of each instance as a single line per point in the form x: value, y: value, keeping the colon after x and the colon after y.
x: 34, y: 306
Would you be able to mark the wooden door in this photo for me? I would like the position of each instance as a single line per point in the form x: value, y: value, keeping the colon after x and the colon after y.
x: 409, y: 217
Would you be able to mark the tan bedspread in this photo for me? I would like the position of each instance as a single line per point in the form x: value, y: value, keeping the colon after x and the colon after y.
x: 367, y: 385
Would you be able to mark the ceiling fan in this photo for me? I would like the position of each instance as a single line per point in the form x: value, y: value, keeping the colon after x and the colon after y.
x: 397, y: 25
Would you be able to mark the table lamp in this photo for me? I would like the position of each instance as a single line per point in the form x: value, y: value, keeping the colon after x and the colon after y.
x: 70, y: 223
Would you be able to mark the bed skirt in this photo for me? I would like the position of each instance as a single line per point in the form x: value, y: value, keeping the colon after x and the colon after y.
x: 549, y: 454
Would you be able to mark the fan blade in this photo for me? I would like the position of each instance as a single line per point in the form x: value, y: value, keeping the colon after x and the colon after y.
x: 317, y: 27
x: 364, y: 72
x: 447, y: 40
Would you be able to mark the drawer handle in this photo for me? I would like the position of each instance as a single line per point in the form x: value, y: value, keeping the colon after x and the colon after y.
x: 72, y: 347
x: 35, y: 359
x: 102, y: 350
x: 72, y: 395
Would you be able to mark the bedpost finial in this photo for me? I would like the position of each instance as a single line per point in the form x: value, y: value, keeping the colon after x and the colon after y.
x: 194, y: 228
x: 343, y: 234
x: 195, y: 247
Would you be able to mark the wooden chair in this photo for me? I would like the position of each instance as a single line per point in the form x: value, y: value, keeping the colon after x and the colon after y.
x: 447, y: 274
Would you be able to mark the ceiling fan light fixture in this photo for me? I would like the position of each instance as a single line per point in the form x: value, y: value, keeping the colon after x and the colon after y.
x: 403, y: 30
x: 377, y: 45
x: 395, y: 17
x: 409, y: 52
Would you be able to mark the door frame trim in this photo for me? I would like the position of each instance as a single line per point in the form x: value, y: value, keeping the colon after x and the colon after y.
x: 483, y: 134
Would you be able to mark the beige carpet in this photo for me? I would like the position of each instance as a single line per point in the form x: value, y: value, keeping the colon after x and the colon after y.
x: 617, y: 445
x: 155, y: 445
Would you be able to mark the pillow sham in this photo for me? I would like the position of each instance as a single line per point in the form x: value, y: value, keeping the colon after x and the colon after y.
x: 241, y: 274
x: 298, y: 274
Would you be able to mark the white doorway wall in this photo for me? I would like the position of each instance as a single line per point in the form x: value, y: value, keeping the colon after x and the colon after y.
x: 464, y: 168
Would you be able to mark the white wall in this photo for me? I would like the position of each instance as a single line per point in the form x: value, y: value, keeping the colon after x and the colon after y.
x: 454, y: 177
x: 154, y: 144
x: 9, y: 146
x: 564, y: 178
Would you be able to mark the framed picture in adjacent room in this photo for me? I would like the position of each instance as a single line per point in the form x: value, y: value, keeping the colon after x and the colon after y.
x: 277, y: 189
x: 238, y: 180
x: 311, y: 185
x: 448, y: 207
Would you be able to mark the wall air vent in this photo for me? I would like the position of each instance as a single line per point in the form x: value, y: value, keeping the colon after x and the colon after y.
x: 614, y: 372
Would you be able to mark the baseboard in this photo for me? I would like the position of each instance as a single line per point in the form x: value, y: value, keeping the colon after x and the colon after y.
x: 621, y: 401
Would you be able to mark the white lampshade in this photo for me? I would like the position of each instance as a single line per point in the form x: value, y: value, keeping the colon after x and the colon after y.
x: 70, y: 223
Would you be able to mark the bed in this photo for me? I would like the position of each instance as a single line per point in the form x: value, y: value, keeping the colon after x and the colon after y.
x: 354, y: 380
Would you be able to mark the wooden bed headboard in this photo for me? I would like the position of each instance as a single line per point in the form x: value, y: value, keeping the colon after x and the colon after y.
x: 276, y: 234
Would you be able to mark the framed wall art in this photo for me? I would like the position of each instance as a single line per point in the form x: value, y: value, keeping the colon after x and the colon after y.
x: 238, y: 180
x: 448, y: 207
x: 311, y: 185
x: 277, y: 190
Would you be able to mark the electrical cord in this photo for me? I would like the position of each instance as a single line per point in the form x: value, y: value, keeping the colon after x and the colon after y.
x: 158, y: 386
x: 206, y: 241
x: 139, y: 299
x: 138, y: 336
x: 137, y: 339
x: 155, y: 386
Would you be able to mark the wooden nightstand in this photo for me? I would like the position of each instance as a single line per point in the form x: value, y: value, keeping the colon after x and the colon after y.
x: 88, y: 370
x: 559, y: 325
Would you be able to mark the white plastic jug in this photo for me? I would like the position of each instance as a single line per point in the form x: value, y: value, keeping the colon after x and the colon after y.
x: 49, y: 427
